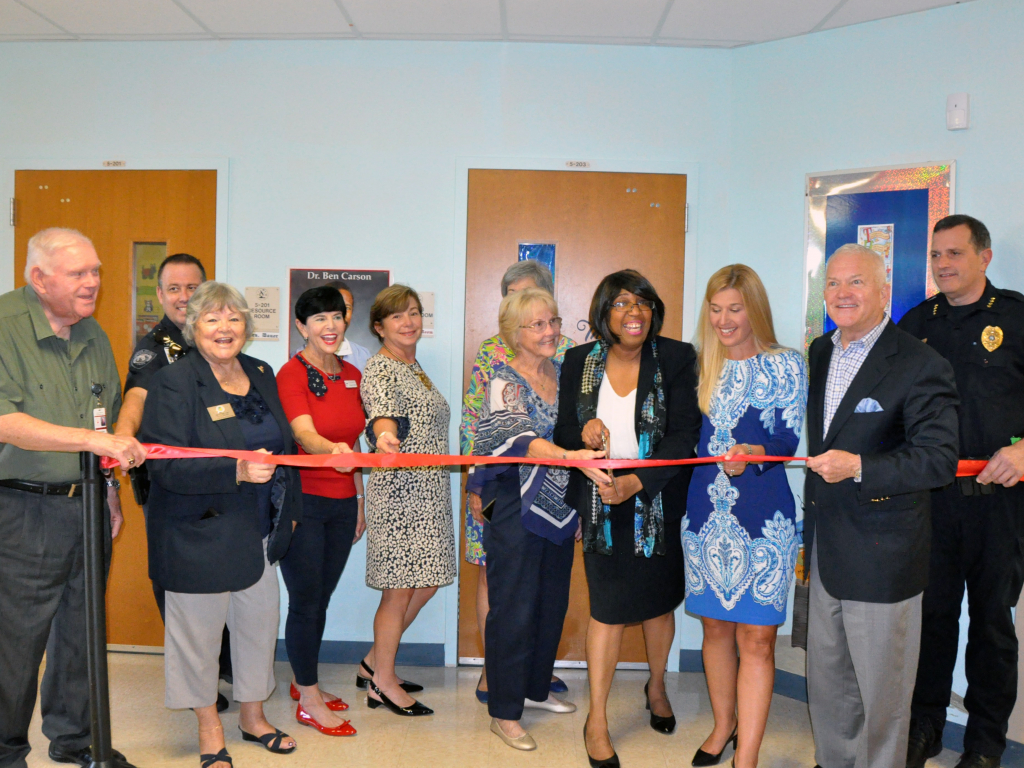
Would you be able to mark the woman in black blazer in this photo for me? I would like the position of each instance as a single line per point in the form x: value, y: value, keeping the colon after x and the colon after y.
x: 218, y: 526
x: 633, y: 393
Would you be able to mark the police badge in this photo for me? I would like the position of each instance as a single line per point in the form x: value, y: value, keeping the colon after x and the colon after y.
x: 992, y: 337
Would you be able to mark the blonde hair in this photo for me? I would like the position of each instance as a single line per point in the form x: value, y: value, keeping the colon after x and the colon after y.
x: 514, y: 310
x: 212, y: 296
x: 711, y: 353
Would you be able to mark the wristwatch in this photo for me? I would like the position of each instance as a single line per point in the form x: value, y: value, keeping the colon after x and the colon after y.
x: 113, y: 482
x: 857, y: 475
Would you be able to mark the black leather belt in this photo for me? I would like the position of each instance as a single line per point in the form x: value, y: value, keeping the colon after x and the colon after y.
x: 71, y: 490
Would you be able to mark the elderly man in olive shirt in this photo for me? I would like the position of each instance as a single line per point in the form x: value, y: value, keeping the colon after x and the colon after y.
x: 59, y: 395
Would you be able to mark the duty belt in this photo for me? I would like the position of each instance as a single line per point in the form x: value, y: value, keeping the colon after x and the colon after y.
x: 969, y: 486
x: 70, y: 490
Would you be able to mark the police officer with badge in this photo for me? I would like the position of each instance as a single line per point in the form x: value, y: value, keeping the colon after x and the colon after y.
x: 177, y: 279
x: 977, y: 523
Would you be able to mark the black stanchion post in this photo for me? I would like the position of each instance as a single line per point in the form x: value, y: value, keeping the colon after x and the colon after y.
x: 96, y: 609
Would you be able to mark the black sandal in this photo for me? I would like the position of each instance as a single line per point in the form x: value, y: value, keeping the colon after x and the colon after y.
x: 272, y: 741
x: 221, y: 757
x: 363, y: 683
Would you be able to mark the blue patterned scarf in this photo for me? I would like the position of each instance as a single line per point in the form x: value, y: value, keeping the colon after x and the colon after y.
x: 648, y: 519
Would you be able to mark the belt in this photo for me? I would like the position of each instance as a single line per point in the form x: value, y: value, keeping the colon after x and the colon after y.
x: 70, y: 490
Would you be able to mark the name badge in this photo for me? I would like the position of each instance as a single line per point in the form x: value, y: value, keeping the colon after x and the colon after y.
x: 350, y: 383
x: 218, y: 412
x: 99, y: 419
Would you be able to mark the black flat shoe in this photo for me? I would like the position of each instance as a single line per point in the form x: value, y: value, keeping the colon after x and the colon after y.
x: 661, y: 724
x: 272, y: 741
x: 610, y: 762
x: 415, y: 710
x: 205, y: 761
x: 363, y: 683
x: 83, y: 756
x: 703, y: 758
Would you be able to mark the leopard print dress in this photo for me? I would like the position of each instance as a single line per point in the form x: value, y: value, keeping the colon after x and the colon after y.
x: 410, y: 538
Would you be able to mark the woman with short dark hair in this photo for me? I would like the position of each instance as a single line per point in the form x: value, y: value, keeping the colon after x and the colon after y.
x: 634, y: 394
x: 320, y: 395
x: 410, y: 540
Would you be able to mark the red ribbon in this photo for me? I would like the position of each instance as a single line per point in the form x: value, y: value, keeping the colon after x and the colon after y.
x: 394, y: 460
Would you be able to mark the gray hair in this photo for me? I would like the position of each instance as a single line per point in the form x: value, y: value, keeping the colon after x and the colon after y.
x: 875, y: 258
x: 44, y: 246
x: 212, y: 296
x: 529, y: 268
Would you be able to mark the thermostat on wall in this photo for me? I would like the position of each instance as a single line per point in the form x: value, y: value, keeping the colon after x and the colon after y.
x: 958, y: 111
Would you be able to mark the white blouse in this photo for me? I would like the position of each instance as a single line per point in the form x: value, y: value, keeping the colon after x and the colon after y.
x: 617, y: 413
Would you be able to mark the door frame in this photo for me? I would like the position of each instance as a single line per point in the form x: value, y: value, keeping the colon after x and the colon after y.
x: 688, y: 629
x: 9, y: 166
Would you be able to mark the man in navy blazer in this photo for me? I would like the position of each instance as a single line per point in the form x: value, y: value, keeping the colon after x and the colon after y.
x: 882, y: 432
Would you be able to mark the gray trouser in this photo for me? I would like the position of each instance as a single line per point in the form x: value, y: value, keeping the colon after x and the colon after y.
x: 42, y: 607
x: 861, y: 668
x: 193, y: 629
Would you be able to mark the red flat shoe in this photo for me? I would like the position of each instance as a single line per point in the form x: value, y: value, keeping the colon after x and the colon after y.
x: 345, y: 729
x: 335, y: 705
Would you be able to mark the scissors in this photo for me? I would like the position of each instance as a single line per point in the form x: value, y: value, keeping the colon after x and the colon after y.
x: 607, y: 455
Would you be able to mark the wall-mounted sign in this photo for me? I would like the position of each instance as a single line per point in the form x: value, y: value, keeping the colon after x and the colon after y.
x: 427, y: 300
x: 265, y: 311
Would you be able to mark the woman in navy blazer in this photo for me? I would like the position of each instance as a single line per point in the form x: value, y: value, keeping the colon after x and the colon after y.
x: 218, y: 526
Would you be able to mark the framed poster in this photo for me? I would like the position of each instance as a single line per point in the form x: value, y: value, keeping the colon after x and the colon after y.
x: 889, y: 210
x: 146, y: 309
x: 364, y: 284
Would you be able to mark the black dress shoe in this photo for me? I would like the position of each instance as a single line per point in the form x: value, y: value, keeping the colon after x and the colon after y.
x: 222, y: 702
x: 702, y: 758
x: 414, y: 710
x: 83, y: 756
x: 661, y: 724
x: 608, y: 762
x: 363, y: 683
x: 978, y: 760
x: 925, y: 742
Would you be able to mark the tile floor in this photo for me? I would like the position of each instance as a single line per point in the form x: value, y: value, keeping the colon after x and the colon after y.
x: 154, y: 737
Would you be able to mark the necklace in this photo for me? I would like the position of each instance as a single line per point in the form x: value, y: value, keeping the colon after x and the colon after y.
x: 414, y: 366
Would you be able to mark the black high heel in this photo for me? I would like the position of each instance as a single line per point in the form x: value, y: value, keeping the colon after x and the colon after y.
x: 703, y: 758
x: 611, y: 762
x: 661, y: 724
x: 363, y: 683
x: 415, y: 710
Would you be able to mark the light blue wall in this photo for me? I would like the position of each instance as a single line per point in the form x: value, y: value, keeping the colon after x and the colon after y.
x: 344, y: 153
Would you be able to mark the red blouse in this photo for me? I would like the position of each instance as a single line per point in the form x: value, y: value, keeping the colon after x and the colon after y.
x: 337, y: 416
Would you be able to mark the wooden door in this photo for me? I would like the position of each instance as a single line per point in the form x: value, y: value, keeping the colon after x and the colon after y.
x: 120, y: 210
x: 599, y: 223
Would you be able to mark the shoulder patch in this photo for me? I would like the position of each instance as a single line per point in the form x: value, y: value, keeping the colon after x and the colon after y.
x: 141, y: 359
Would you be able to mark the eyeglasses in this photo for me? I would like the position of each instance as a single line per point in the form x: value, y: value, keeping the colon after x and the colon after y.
x: 645, y: 305
x: 541, y: 325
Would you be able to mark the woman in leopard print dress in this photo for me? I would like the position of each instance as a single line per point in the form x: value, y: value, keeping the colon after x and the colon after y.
x: 410, y: 549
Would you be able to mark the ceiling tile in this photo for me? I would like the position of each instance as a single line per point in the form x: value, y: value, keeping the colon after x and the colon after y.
x: 585, y: 18
x: 755, y: 20
x: 17, y: 21
x: 858, y: 11
x: 425, y: 17
x: 117, y: 17
x: 270, y: 17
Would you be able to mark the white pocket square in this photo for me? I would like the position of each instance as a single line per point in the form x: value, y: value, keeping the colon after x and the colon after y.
x: 868, y: 405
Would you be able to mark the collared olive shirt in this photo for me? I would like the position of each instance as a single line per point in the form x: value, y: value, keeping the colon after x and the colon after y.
x: 51, y: 379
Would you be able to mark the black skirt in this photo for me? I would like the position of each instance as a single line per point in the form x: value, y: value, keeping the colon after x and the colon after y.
x: 624, y: 588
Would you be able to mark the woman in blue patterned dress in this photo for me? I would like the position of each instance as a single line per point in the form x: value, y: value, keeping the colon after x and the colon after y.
x: 739, y: 537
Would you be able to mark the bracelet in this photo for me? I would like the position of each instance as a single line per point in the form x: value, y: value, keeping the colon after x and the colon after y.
x: 359, y: 496
x: 563, y: 455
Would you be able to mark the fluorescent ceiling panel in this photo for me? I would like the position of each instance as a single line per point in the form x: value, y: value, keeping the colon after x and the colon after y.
x: 755, y: 20
x: 858, y: 11
x: 584, y: 18
x: 118, y: 17
x: 270, y: 17
x: 426, y: 17
x: 16, y: 20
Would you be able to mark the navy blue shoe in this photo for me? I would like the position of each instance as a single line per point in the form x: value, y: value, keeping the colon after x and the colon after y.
x: 558, y: 686
x: 481, y: 696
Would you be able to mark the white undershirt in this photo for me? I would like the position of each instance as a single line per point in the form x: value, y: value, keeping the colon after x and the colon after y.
x: 617, y: 413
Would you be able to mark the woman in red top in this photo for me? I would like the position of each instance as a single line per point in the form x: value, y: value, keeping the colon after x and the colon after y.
x: 320, y: 395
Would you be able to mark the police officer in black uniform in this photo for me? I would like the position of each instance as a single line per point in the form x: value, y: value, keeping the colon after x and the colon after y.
x: 177, y: 279
x: 977, y: 523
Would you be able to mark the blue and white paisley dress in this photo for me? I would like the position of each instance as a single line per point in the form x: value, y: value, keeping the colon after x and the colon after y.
x: 739, y: 537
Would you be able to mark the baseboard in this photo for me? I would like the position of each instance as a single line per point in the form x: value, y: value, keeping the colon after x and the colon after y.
x: 794, y: 686
x: 353, y: 651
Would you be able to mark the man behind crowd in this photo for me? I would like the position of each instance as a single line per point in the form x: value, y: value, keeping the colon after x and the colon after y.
x: 176, y: 280
x: 350, y: 352
x: 977, y: 524
x: 881, y: 431
x: 59, y: 394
